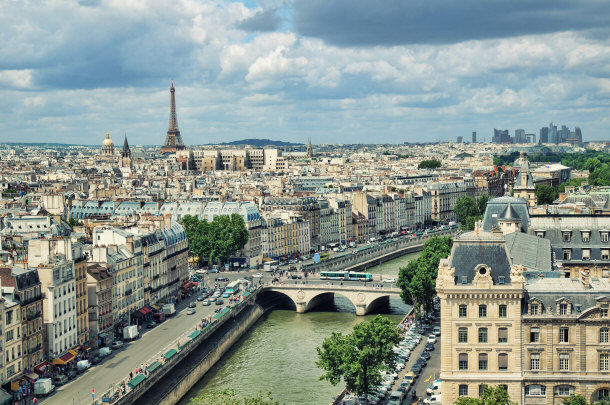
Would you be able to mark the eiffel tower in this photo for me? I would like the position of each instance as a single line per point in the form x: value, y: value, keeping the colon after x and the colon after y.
x: 173, y: 140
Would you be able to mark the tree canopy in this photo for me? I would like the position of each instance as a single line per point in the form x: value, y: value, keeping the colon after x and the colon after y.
x: 417, y: 281
x: 468, y: 211
x: 358, y: 358
x: 491, y: 396
x: 228, y: 397
x: 429, y: 164
x: 215, y: 240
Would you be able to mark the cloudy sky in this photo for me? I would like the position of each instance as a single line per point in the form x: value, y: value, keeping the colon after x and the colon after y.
x: 338, y: 71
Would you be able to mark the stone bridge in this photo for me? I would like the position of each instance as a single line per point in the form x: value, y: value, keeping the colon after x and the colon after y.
x: 308, y: 296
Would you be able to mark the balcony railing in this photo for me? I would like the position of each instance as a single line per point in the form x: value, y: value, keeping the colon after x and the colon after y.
x: 34, y: 349
x: 32, y: 315
x: 128, y: 292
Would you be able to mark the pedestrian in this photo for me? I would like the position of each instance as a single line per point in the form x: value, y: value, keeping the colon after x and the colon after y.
x: 131, y: 375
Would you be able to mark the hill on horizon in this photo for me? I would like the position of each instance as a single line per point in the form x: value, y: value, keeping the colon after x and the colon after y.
x: 259, y: 142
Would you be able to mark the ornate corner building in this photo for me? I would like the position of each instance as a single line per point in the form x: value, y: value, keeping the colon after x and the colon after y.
x: 542, y: 336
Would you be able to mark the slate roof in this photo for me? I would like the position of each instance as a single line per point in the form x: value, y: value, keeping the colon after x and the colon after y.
x: 532, y: 252
x: 510, y: 213
x: 495, y: 209
x: 549, y: 290
x: 474, y: 248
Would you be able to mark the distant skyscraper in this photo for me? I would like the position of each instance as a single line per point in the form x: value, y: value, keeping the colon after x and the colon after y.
x: 474, y: 137
x: 460, y: 139
x: 501, y: 136
x: 173, y: 140
x: 578, y: 135
x: 544, y: 135
x: 553, y: 138
x: 520, y: 136
x: 309, y: 149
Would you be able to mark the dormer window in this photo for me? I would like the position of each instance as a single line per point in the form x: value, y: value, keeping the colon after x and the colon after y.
x: 566, y: 235
x: 585, y: 235
x: 604, y: 236
x: 540, y: 233
x: 603, y: 310
x: 564, y: 307
x: 534, y: 308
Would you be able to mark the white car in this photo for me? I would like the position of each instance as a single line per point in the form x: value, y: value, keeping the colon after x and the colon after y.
x: 437, y: 330
x: 432, y: 339
x: 258, y: 275
x: 389, y: 280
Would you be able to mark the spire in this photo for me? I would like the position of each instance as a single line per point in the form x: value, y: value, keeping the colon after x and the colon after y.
x: 107, y: 135
x: 126, y: 150
x: 173, y: 140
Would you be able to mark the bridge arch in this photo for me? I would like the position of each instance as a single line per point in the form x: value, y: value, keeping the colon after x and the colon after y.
x: 275, y: 299
x: 326, y: 296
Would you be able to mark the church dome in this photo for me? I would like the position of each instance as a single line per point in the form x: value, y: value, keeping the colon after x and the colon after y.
x: 107, y: 141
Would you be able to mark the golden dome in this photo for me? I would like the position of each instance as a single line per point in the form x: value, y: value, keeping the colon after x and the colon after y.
x: 107, y: 141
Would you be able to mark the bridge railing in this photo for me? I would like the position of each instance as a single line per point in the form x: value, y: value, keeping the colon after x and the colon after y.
x: 332, y: 287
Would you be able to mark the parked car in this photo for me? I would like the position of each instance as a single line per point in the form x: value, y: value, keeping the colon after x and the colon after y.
x: 71, y: 374
x: 59, y: 380
x: 104, y: 351
x: 96, y: 359
x: 151, y: 324
x: 117, y: 344
x: 219, y: 301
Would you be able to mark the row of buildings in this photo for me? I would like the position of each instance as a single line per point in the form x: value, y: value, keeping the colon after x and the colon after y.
x: 61, y: 293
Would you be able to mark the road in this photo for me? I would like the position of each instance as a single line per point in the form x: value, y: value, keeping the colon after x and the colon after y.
x: 149, y: 347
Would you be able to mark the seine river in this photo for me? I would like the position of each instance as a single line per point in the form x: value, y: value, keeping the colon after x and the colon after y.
x: 278, y: 354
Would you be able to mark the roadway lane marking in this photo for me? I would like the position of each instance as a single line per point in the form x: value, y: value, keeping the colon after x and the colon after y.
x: 427, y: 379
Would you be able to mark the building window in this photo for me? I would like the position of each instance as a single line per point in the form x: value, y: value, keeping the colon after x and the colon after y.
x: 502, y: 311
x: 603, y: 335
x: 534, y: 335
x: 482, y: 389
x: 535, y: 361
x: 482, y: 311
x: 603, y: 311
x: 563, y: 335
x: 586, y: 254
x: 463, y: 361
x: 605, y: 254
x: 463, y: 335
x: 463, y: 390
x: 564, y: 390
x: 533, y: 309
x: 463, y: 312
x: 586, y: 235
x: 535, y: 390
x: 604, y: 362
x: 482, y: 335
x: 566, y: 236
x: 563, y: 309
x: 503, y: 361
x: 567, y: 254
x: 502, y: 335
x: 540, y: 234
x: 483, y: 361
x: 602, y: 393
x: 604, y: 236
x: 564, y: 361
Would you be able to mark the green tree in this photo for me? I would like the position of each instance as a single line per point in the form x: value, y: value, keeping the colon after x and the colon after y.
x: 358, y: 358
x: 491, y: 396
x: 470, y: 222
x: 575, y: 400
x: 417, y: 280
x: 228, y: 397
x: 482, y: 203
x: 546, y: 194
x: 215, y: 240
x: 429, y: 164
x: 465, y: 207
x: 73, y: 222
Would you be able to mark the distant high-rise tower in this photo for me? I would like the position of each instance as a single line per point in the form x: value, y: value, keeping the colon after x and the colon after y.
x: 309, y: 149
x: 173, y: 140
x: 474, y: 137
x: 460, y: 139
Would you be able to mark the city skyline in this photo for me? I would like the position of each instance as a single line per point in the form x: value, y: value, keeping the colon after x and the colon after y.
x: 293, y: 70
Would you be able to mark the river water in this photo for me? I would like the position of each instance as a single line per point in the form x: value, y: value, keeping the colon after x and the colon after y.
x: 278, y: 354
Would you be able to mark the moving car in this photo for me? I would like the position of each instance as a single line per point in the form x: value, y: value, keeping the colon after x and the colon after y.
x: 191, y: 311
x: 429, y: 347
x: 258, y: 275
x: 221, y: 279
x: 205, y: 302
x: 151, y: 324
x: 192, y: 305
x: 296, y: 277
x: 432, y: 339
x: 389, y: 280
x: 436, y: 330
x: 219, y: 301
x: 117, y: 344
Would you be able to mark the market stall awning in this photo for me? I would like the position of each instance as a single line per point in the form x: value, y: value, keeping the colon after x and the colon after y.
x: 66, y: 358
x: 31, y: 376
x: 157, y: 307
x: 170, y: 353
x: 73, y: 352
x: 218, y: 315
x: 41, y: 367
x: 246, y: 294
x: 187, y: 285
x: 137, y: 380
x: 144, y: 310
x: 194, y: 334
x: 153, y: 367
x: 194, y: 283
